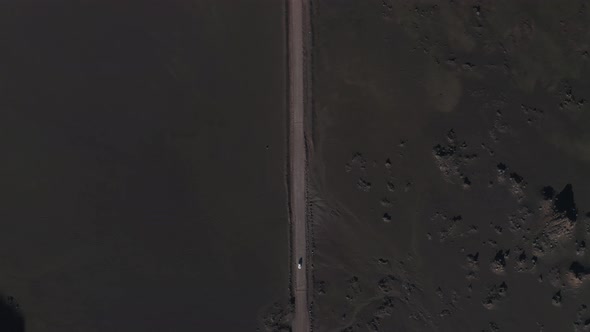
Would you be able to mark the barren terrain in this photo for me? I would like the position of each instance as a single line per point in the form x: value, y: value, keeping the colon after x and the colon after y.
x: 451, y: 190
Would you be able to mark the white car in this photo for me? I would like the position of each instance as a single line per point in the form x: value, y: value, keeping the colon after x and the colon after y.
x: 300, y: 264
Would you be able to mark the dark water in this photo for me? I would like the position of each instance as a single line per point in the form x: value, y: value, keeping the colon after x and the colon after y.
x: 142, y: 172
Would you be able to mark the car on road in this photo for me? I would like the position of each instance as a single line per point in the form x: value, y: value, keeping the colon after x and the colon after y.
x: 300, y: 263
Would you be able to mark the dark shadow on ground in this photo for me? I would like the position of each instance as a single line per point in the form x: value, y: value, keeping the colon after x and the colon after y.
x: 11, y: 318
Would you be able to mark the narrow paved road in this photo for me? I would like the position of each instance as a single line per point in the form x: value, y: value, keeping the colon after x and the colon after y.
x: 297, y: 195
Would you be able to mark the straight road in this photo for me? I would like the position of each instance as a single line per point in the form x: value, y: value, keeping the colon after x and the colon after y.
x: 298, y: 159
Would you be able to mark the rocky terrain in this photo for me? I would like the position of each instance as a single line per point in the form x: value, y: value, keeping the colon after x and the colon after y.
x: 450, y: 166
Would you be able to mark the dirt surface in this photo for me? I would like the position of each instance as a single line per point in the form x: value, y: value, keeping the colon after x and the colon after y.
x: 297, y: 34
x: 450, y: 167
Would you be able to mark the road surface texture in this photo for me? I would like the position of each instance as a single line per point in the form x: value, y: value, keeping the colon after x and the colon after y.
x: 297, y: 155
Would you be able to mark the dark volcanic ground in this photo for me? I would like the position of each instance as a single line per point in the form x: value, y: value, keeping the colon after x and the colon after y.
x: 450, y: 166
x: 142, y: 181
